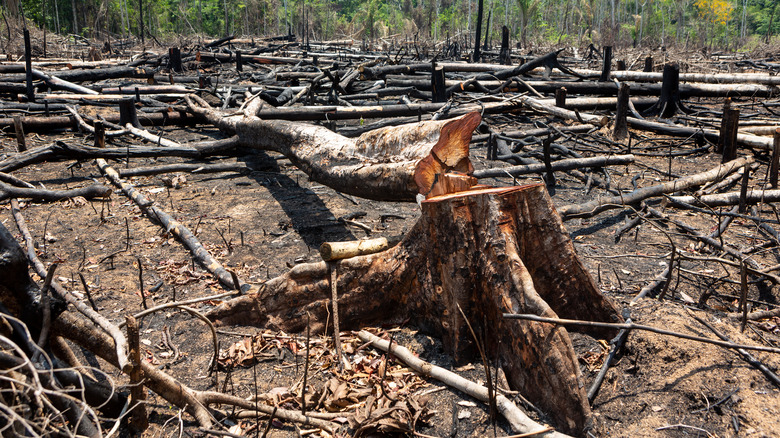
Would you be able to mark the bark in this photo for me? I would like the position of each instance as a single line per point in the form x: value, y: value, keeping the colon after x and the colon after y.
x: 489, y: 251
x: 379, y: 164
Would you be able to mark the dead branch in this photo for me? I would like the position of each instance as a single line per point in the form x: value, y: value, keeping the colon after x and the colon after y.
x: 728, y: 198
x: 517, y: 419
x: 596, y: 206
x: 40, y: 269
x: 171, y: 225
x: 749, y: 358
x: 567, y: 164
x: 88, y: 192
x: 632, y: 326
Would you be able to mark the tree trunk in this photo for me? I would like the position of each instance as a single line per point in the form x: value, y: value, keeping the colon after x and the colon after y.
x: 379, y: 164
x: 478, y: 36
x: 488, y: 251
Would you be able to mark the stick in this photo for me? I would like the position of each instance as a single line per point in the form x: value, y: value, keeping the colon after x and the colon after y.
x: 745, y: 355
x: 334, y: 299
x: 519, y: 422
x: 617, y: 343
x: 632, y: 326
x: 182, y: 233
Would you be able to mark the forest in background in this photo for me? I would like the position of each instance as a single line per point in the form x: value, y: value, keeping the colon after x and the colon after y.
x: 729, y: 24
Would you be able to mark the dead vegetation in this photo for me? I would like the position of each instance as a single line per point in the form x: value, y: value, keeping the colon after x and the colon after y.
x: 188, y: 190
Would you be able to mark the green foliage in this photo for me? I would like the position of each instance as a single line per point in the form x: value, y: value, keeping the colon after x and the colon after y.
x: 555, y: 21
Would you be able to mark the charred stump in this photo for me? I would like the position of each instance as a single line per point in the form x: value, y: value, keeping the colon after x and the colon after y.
x: 670, y: 102
x: 505, y: 55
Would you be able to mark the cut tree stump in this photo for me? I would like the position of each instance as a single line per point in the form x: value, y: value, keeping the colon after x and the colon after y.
x: 488, y: 250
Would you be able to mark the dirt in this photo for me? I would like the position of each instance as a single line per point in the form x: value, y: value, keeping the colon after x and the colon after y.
x: 262, y: 222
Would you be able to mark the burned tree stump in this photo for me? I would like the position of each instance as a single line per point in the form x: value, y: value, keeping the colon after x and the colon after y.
x: 669, y: 103
x: 484, y: 250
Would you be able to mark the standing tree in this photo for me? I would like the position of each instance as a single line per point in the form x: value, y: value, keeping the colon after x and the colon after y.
x: 527, y: 9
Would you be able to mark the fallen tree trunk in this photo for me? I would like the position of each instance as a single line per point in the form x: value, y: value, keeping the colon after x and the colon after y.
x: 729, y: 198
x: 95, y: 74
x: 484, y: 251
x: 599, y: 88
x: 708, y: 78
x: 62, y: 150
x: 750, y: 140
x: 48, y: 124
x: 379, y: 164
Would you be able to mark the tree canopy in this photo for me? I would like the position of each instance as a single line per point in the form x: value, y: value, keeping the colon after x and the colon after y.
x: 638, y: 22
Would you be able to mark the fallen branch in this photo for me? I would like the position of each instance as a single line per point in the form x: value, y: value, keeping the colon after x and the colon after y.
x: 728, y: 198
x: 88, y: 192
x: 518, y: 420
x: 119, y: 339
x: 632, y: 326
x: 749, y: 358
x: 171, y: 225
x: 568, y: 164
x: 193, y: 401
x: 596, y: 206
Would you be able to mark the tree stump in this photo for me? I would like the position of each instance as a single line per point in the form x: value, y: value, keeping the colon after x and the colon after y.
x: 486, y: 250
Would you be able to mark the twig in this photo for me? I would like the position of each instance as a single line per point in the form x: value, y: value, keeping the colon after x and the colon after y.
x: 749, y: 358
x: 633, y: 326
x: 616, y: 343
x: 45, y: 310
x: 335, y: 304
x: 306, y: 364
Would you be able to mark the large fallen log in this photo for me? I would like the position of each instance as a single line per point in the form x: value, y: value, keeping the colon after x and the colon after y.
x: 483, y: 251
x: 379, y: 164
